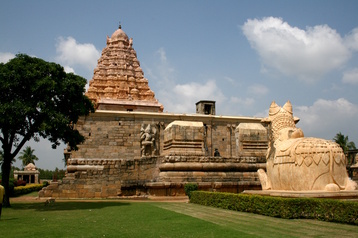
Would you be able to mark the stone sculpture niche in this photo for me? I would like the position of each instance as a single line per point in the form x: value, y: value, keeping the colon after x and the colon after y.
x: 149, y: 140
x: 296, y: 163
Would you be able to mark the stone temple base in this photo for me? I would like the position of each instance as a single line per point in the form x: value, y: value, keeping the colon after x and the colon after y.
x: 177, y: 189
x: 307, y: 194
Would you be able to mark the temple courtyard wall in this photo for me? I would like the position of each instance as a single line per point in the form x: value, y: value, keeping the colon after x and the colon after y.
x: 146, y: 153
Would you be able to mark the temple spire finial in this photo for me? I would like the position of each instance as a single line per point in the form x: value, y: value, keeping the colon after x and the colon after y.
x: 120, y: 26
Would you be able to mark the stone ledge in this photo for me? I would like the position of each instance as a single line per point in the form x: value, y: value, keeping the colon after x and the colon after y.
x: 200, y: 184
x: 190, y: 166
x: 74, y: 168
x: 212, y: 159
x: 305, y: 194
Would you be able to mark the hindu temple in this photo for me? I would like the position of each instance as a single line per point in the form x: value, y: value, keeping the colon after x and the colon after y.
x: 132, y: 147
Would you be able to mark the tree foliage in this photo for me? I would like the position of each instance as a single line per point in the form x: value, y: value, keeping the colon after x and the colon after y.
x: 346, y: 145
x: 1, y: 157
x: 38, y: 99
x: 27, y: 156
x: 52, y: 174
x: 344, y: 142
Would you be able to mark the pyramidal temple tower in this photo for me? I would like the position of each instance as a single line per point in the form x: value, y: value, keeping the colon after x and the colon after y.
x: 118, y: 82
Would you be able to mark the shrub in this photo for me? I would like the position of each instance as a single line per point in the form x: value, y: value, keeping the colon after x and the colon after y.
x: 290, y: 208
x: 189, y: 187
x: 26, y: 189
x: 19, y: 183
x: 45, y: 183
x: 12, y: 184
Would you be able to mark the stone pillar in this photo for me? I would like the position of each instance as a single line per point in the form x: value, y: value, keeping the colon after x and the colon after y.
x: 37, y: 178
x: 232, y: 140
x: 209, y: 140
x: 228, y: 143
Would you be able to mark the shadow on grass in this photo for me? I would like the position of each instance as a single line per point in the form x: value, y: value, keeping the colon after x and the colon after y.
x: 62, y: 206
x: 8, y: 219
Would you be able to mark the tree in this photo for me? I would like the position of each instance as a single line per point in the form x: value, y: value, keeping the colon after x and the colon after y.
x: 346, y: 145
x: 344, y: 142
x: 2, y: 158
x: 38, y: 99
x: 27, y: 156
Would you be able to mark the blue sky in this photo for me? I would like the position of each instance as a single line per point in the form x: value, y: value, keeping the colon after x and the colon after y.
x: 243, y: 54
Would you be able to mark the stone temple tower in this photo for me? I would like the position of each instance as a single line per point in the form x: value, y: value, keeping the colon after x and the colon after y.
x: 118, y: 82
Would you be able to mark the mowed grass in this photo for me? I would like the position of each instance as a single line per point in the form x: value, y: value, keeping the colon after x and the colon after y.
x: 103, y: 219
x: 153, y: 219
x: 255, y: 225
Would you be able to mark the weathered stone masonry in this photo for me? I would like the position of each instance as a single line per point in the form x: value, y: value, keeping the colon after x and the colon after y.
x: 110, y: 164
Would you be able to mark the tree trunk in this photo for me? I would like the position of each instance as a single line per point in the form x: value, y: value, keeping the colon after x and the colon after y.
x: 6, y: 168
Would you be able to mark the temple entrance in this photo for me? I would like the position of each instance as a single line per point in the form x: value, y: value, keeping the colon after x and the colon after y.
x: 25, y: 178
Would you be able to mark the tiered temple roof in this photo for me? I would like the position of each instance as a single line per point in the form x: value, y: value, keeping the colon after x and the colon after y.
x: 118, y: 81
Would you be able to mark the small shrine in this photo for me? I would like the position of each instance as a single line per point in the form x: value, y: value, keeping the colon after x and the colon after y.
x: 30, y: 174
x: 205, y: 107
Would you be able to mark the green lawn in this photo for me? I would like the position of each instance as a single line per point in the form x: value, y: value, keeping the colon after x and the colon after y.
x: 152, y: 219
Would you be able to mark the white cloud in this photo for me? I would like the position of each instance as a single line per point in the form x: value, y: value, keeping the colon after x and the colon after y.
x: 325, y: 118
x: 242, y: 101
x: 6, y: 56
x: 350, y: 77
x: 230, y: 80
x: 68, y: 69
x: 351, y: 39
x: 72, y: 53
x: 179, y: 98
x: 262, y: 113
x: 258, y: 89
x: 163, y: 68
x: 163, y: 55
x: 182, y: 97
x: 307, y: 54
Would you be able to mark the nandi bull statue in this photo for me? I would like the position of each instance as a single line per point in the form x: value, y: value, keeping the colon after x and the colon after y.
x: 296, y: 163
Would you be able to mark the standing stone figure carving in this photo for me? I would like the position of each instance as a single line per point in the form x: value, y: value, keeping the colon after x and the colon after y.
x: 296, y: 163
x: 148, y: 140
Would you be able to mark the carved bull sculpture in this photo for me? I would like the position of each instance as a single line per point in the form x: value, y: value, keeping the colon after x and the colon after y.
x: 296, y: 163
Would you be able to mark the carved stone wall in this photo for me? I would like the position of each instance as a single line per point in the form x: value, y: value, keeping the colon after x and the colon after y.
x: 103, y: 178
x: 117, y: 135
x: 111, y: 162
x: 251, y: 139
x: 184, y: 138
